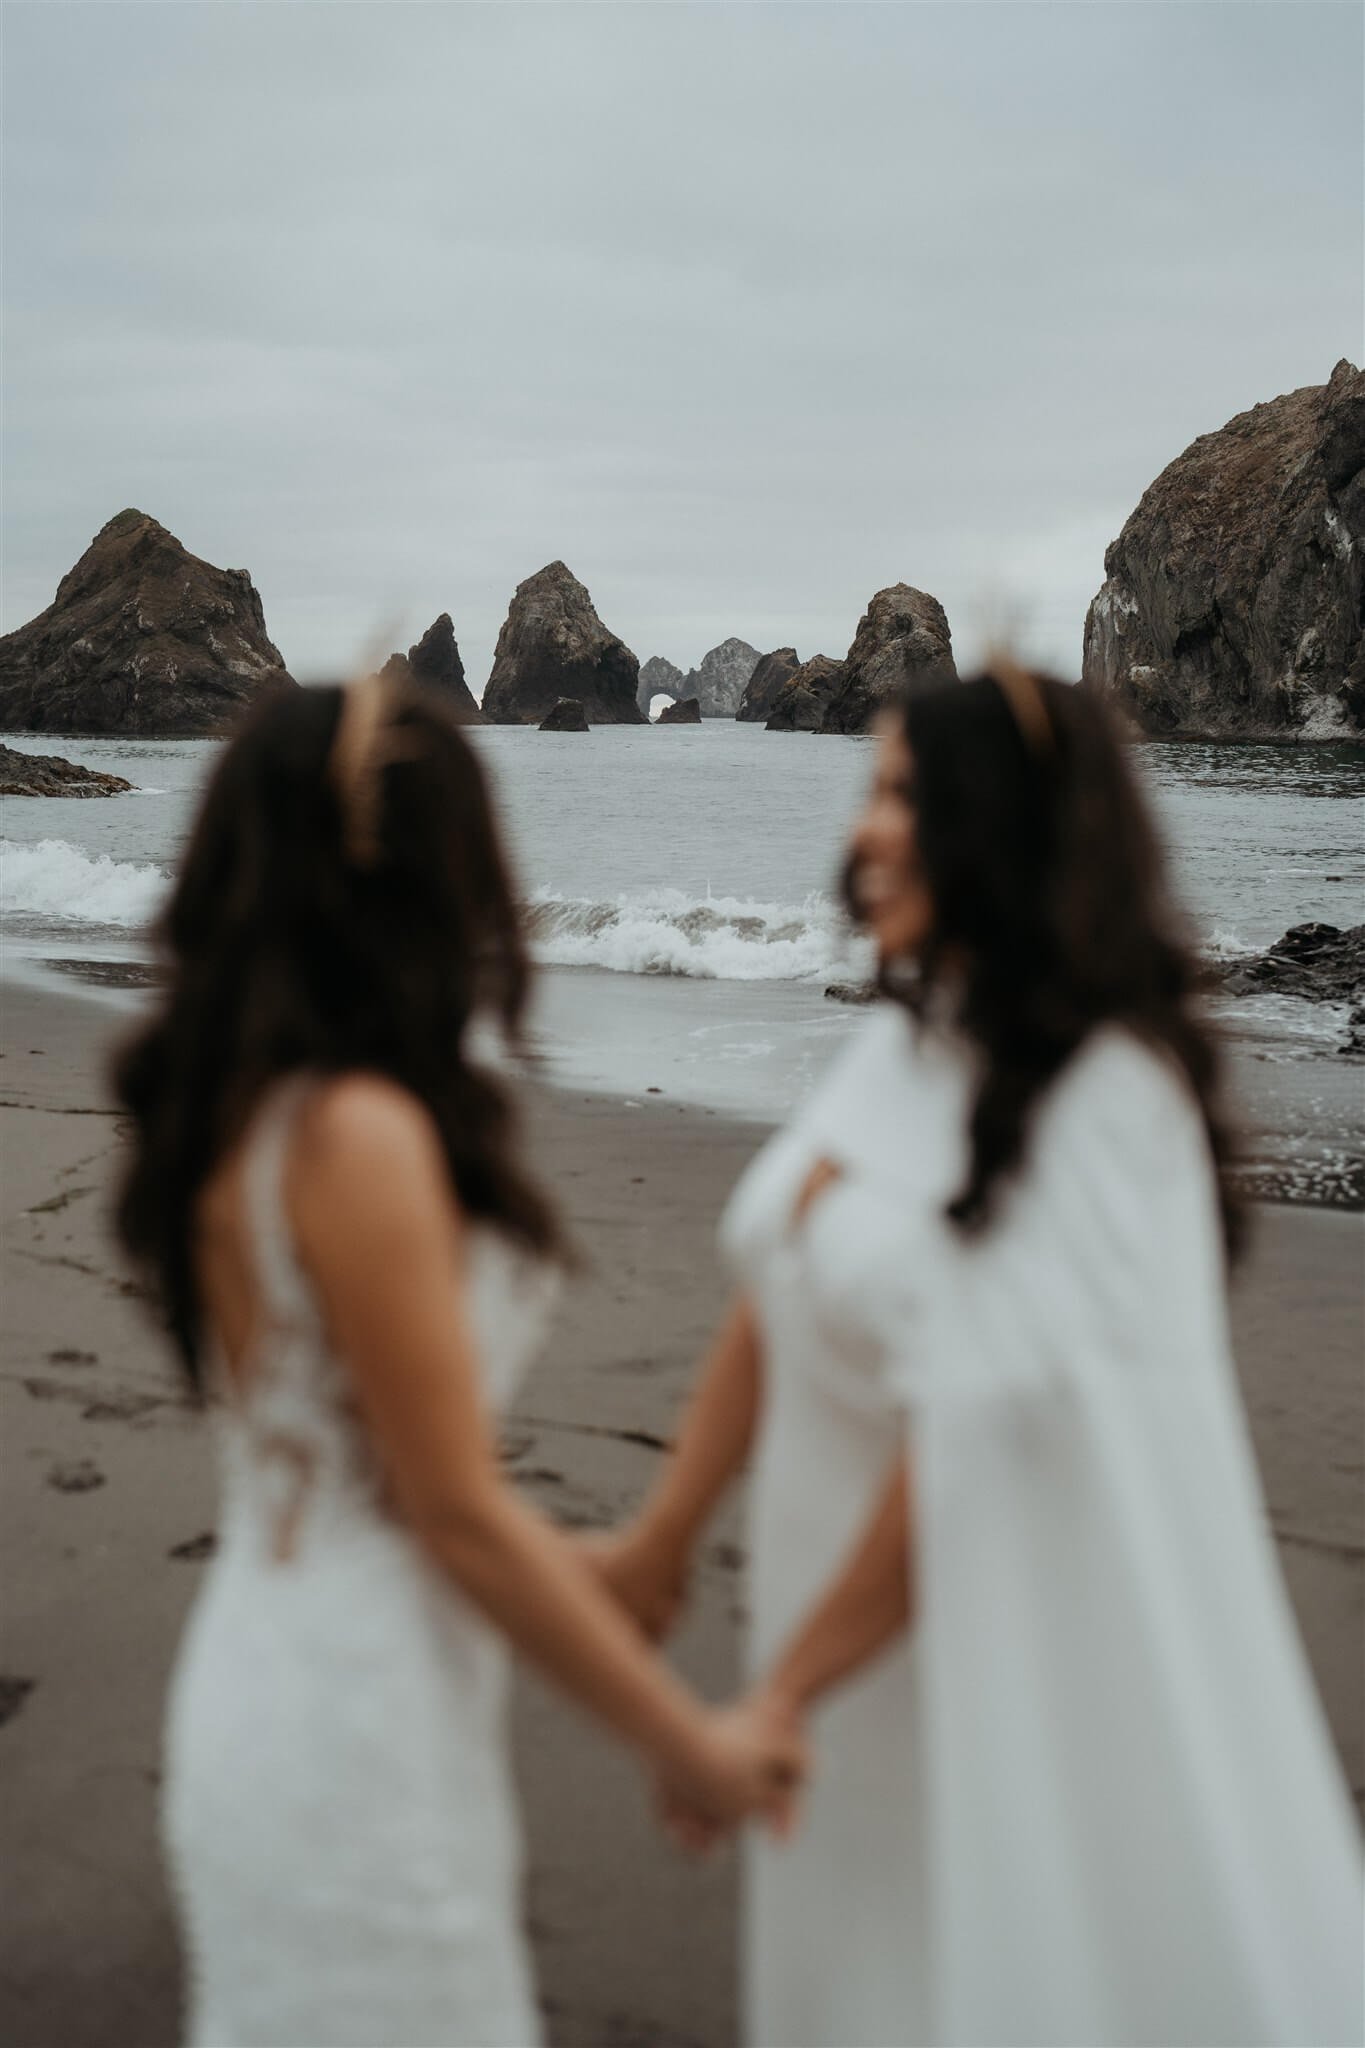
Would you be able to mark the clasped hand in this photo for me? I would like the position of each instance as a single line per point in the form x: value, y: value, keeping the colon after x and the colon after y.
x: 751, y: 1758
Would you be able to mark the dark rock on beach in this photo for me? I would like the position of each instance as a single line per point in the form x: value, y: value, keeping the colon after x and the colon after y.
x: 435, y: 664
x: 902, y: 643
x: 1232, y: 606
x: 142, y: 637
x: 552, y: 646
x: 1319, y: 962
x: 49, y: 775
x: 851, y: 992
x: 802, y: 705
x: 658, y: 678
x: 719, y: 682
x: 770, y: 677
x: 686, y: 712
x: 567, y: 715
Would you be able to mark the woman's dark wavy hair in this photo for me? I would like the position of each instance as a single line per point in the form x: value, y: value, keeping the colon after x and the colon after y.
x: 1051, y: 912
x: 282, y: 954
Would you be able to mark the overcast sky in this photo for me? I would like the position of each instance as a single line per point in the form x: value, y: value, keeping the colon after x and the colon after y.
x: 742, y: 310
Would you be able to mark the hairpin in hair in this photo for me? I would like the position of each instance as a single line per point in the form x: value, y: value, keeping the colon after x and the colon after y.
x: 361, y: 750
x: 1021, y: 691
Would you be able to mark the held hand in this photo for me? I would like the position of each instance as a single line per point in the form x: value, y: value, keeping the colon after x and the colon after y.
x: 750, y: 1763
x: 646, y: 1576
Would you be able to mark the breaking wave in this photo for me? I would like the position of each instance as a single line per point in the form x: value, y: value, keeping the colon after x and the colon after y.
x: 56, y: 882
x: 663, y: 931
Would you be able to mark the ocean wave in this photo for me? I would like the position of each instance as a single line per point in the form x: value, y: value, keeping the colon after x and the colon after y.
x: 664, y: 931
x: 52, y: 880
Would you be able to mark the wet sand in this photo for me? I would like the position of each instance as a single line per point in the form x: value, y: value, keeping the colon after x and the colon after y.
x: 106, y: 1514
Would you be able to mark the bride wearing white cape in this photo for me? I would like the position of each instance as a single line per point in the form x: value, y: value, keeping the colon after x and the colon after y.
x: 1074, y: 1787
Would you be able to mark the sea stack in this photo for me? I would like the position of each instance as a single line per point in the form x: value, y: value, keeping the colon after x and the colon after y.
x: 567, y: 715
x: 1232, y: 600
x: 687, y: 711
x: 771, y: 674
x: 435, y: 664
x: 801, y: 706
x: 719, y: 682
x: 658, y: 678
x: 552, y: 646
x: 902, y: 643
x: 142, y: 637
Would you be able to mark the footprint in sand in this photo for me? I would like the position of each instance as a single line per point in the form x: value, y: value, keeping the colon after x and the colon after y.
x: 81, y: 1475
x: 13, y: 1693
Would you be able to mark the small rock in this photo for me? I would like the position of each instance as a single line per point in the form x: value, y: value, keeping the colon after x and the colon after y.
x: 567, y: 715
x: 195, y: 1549
x: 13, y: 1693
x: 850, y: 992
x: 686, y: 712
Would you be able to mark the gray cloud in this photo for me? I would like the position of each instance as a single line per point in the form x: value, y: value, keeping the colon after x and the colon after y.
x: 742, y: 310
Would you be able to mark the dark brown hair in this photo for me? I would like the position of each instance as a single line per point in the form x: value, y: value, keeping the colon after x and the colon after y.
x: 1051, y: 914
x: 284, y: 952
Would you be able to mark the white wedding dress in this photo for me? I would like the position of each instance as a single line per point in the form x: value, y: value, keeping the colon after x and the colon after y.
x: 1091, y: 1801
x: 339, y: 1812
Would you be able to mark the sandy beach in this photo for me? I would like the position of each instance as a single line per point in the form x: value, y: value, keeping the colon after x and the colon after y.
x: 106, y: 1515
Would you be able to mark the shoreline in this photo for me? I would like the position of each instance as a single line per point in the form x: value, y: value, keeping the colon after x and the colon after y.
x: 108, y: 1511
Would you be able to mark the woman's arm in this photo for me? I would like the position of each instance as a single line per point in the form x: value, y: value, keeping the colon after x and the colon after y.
x: 867, y: 1605
x: 376, y: 1226
x: 645, y: 1565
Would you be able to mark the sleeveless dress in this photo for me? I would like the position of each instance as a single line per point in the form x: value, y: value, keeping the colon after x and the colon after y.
x: 339, y: 1813
x: 1089, y: 1801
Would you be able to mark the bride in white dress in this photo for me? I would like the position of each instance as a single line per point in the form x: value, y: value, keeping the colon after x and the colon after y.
x: 1073, y: 1784
x: 324, y: 1194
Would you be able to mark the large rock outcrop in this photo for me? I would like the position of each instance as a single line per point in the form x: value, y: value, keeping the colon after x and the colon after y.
x: 49, y: 775
x: 553, y: 645
x: 902, y: 643
x: 770, y: 677
x: 142, y: 637
x: 685, y: 711
x: 435, y: 664
x: 1234, y: 599
x: 718, y: 684
x: 658, y: 678
x: 803, y: 704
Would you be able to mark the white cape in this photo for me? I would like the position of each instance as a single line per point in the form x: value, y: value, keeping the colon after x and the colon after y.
x: 1130, y: 1824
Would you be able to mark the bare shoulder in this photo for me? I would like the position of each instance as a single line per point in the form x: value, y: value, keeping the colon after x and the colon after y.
x: 361, y: 1132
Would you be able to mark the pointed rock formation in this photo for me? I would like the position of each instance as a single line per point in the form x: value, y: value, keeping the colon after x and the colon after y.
x: 435, y: 664
x: 802, y: 705
x: 770, y: 677
x: 553, y: 645
x: 1233, y: 599
x: 902, y: 643
x: 687, y: 711
x: 142, y: 637
x: 567, y: 715
x: 658, y: 678
x: 719, y: 683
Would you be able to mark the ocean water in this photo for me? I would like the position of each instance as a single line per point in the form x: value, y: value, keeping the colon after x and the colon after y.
x: 679, y: 885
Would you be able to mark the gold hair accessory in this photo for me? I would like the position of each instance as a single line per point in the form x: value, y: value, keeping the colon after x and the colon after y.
x: 1021, y: 692
x: 363, y: 747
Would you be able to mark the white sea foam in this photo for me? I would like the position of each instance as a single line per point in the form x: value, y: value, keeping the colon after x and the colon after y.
x: 56, y: 882
x: 719, y: 938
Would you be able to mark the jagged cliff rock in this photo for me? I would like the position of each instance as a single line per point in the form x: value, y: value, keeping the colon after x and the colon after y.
x: 658, y: 678
x: 553, y: 645
x: 1234, y: 598
x: 902, y: 643
x: 142, y: 637
x: 49, y: 775
x: 686, y: 711
x: 770, y: 677
x: 435, y: 664
x: 567, y: 715
x: 719, y: 683
x: 802, y: 705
